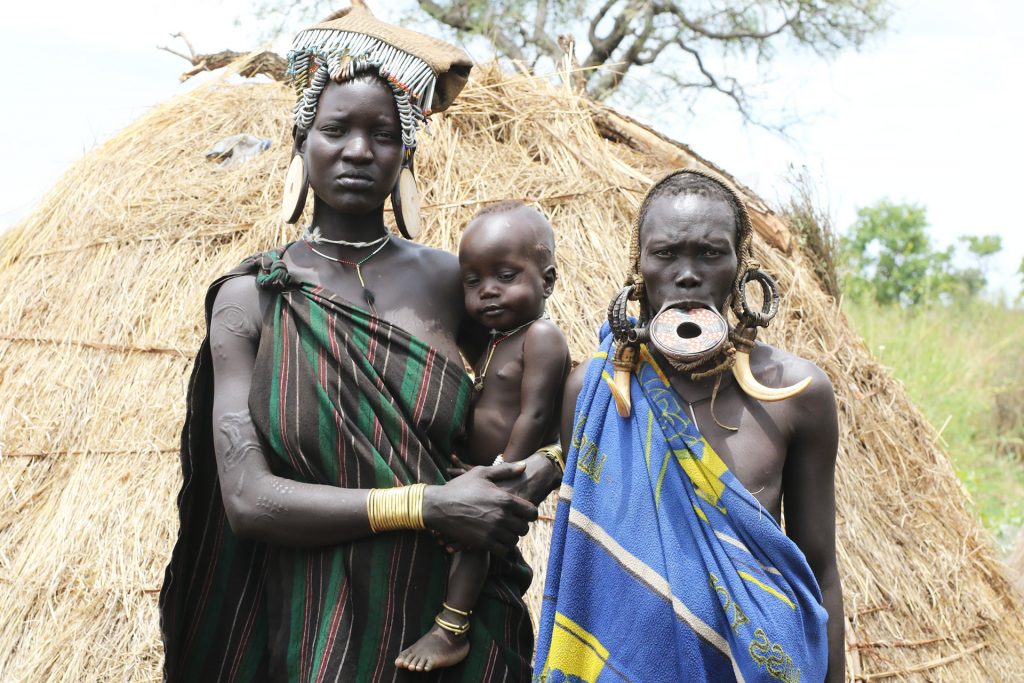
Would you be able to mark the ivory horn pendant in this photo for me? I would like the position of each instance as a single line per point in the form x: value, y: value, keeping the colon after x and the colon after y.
x: 620, y: 382
x: 751, y: 387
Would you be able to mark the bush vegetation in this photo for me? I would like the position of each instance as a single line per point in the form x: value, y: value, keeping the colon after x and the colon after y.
x: 963, y: 366
x: 926, y: 316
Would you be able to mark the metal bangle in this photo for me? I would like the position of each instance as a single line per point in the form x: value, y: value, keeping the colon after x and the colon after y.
x: 554, y: 454
x: 396, y: 508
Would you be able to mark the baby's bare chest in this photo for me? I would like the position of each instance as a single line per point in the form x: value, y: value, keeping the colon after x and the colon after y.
x: 500, y: 374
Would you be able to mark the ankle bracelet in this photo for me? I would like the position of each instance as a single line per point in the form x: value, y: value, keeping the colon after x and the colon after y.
x: 453, y: 628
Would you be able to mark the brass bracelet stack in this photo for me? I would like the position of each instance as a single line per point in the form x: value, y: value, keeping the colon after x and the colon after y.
x: 396, y: 508
x: 554, y: 454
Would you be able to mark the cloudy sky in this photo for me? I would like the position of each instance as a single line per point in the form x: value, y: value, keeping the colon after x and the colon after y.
x: 924, y: 114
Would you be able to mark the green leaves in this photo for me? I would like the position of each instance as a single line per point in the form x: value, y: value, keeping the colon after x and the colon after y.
x: 889, y: 257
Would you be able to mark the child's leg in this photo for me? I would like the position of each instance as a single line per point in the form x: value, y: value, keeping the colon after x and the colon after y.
x: 446, y: 644
x: 466, y: 579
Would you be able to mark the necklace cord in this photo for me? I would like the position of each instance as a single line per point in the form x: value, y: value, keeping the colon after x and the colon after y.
x: 312, y: 235
x: 497, y: 338
x: 367, y: 294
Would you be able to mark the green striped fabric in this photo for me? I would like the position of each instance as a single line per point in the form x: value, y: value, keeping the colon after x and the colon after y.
x: 341, y: 398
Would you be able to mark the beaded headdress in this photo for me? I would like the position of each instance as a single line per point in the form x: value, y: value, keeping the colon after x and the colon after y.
x: 425, y: 73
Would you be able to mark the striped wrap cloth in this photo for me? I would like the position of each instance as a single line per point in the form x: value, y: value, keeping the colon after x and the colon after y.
x: 663, y: 567
x: 341, y: 398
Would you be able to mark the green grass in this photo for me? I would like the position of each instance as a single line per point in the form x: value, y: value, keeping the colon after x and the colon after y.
x: 954, y: 362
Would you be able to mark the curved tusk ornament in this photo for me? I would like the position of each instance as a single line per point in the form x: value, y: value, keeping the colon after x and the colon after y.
x: 751, y: 387
x: 751, y: 320
x: 625, y: 359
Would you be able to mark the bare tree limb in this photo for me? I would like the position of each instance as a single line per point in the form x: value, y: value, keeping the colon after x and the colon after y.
x: 268, y: 63
x: 603, y: 48
x: 191, y: 51
x: 541, y: 38
x: 609, y: 81
x: 624, y: 36
x: 457, y: 17
x: 701, y: 29
x: 596, y: 21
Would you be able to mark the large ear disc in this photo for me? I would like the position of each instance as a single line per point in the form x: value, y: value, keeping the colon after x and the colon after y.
x: 405, y: 199
x: 296, y: 186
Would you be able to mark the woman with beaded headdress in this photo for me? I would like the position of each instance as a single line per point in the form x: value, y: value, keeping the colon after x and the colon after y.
x: 324, y: 404
x: 668, y: 561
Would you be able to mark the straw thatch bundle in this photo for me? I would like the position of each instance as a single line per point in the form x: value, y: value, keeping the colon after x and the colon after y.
x: 101, y: 310
x: 1015, y: 562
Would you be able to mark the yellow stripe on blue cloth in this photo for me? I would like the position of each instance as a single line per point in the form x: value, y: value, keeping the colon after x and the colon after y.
x: 575, y: 651
x: 765, y: 587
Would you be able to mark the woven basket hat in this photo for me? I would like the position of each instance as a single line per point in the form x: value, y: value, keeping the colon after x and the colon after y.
x: 431, y: 71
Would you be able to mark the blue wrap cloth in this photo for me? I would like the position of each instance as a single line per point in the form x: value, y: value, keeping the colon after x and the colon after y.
x: 663, y: 567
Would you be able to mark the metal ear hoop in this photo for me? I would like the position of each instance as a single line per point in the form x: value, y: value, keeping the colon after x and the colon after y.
x: 769, y: 292
x: 617, y: 318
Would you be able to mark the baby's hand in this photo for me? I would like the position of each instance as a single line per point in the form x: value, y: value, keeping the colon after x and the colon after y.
x: 457, y: 467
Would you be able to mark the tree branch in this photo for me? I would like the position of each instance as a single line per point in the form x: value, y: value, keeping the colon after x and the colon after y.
x: 702, y: 30
x: 268, y: 63
x: 456, y: 17
x: 624, y: 34
x: 191, y: 57
x: 733, y: 92
x: 601, y: 13
x: 610, y: 80
x: 602, y: 48
x: 541, y: 38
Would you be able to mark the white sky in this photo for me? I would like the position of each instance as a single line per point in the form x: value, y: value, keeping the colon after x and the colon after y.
x: 926, y: 114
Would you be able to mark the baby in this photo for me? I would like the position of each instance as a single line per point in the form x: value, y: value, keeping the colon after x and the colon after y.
x: 507, y: 258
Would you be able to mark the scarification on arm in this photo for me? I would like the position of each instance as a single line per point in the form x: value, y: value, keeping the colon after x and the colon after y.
x: 273, y: 505
x: 270, y: 506
x: 233, y: 318
x: 239, y: 439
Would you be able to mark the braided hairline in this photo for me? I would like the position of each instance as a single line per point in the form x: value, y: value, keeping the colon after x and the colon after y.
x: 745, y: 262
x: 342, y: 70
x: 744, y: 235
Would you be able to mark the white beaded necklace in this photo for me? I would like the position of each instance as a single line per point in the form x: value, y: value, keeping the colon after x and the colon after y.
x: 367, y: 294
x: 312, y: 235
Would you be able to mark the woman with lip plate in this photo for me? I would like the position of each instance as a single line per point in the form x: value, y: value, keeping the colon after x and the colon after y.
x: 324, y: 404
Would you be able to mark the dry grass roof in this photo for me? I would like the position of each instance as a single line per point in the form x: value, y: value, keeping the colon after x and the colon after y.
x: 101, y: 294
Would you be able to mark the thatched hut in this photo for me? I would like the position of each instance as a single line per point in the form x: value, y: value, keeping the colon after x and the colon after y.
x: 1015, y: 562
x: 101, y: 310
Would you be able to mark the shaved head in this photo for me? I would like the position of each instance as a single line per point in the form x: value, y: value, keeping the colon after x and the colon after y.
x: 525, y: 222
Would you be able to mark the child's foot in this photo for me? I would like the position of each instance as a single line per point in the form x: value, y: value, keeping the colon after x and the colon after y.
x: 436, y: 649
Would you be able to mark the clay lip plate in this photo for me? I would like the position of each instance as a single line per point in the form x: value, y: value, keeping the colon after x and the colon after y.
x: 666, y: 337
